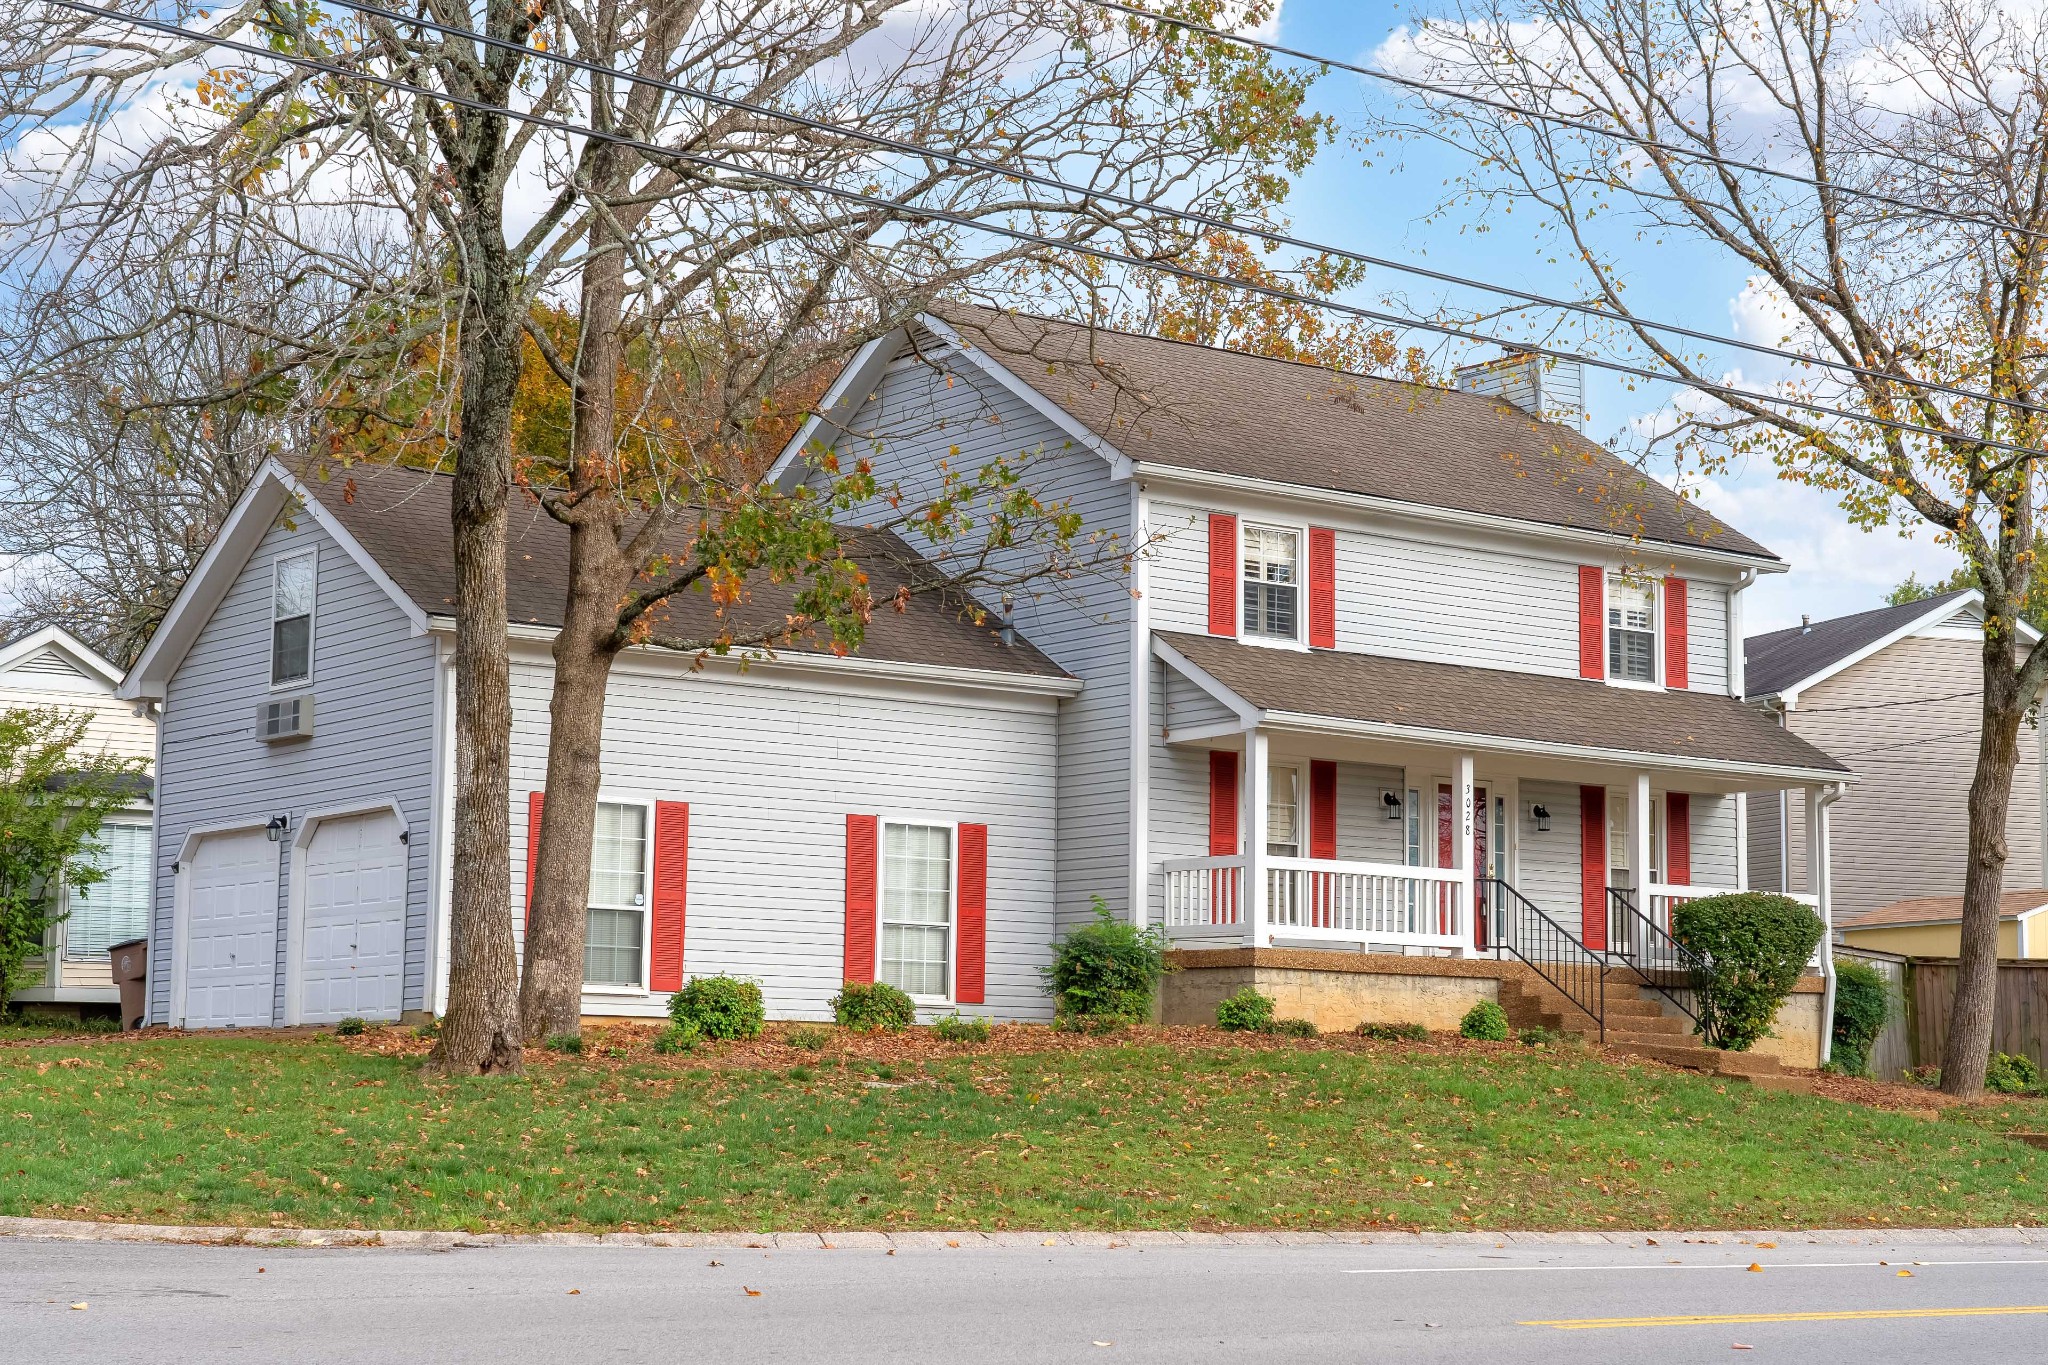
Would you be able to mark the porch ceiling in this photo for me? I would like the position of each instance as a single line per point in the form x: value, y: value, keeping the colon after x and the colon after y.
x: 1404, y: 701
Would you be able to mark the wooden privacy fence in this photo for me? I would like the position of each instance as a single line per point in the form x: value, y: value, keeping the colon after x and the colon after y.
x: 2020, y: 1024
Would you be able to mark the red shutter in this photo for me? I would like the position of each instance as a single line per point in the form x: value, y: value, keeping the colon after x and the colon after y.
x: 1678, y: 838
x: 860, y: 898
x: 1222, y: 574
x: 1322, y: 809
x: 533, y: 805
x: 970, y: 974
x: 1222, y: 803
x: 1322, y: 587
x: 671, y: 894
x: 1592, y: 621
x: 1674, y: 633
x: 1593, y: 867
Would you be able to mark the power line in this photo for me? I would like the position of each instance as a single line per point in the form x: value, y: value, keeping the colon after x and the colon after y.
x: 909, y: 148
x: 876, y: 201
x: 1560, y: 120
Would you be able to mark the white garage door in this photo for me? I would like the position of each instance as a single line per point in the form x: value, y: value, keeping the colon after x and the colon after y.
x: 353, y: 959
x: 231, y: 932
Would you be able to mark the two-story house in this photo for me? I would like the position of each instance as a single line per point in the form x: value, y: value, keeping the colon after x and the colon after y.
x: 1400, y: 676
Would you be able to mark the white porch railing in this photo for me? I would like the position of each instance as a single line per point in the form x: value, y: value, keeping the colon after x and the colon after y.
x: 1314, y: 900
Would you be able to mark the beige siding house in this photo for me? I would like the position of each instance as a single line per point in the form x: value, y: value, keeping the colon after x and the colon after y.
x: 1931, y: 926
x: 1893, y: 694
x: 52, y: 668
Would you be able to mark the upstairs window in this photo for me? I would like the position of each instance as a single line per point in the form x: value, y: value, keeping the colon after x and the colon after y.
x: 1272, y: 583
x: 615, y: 923
x: 1631, y: 630
x: 291, y: 620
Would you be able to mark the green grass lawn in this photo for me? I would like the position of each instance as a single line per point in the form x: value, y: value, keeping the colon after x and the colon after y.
x: 303, y: 1131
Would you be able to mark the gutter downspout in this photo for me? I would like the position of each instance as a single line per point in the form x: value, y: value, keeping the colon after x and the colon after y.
x: 1824, y: 889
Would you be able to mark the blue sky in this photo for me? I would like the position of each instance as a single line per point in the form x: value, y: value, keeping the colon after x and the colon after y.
x: 1835, y: 568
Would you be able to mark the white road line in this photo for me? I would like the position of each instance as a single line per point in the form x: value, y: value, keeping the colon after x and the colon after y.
x: 1767, y: 1265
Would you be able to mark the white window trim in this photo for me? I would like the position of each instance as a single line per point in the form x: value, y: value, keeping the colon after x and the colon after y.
x: 952, y: 828
x: 1607, y: 576
x: 312, y: 619
x: 56, y: 942
x: 646, y: 908
x: 1299, y: 530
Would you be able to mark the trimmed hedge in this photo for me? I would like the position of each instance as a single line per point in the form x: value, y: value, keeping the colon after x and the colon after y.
x: 873, y: 1007
x: 1755, y: 946
x: 1245, y: 1012
x: 720, y: 1007
x: 1486, y: 1021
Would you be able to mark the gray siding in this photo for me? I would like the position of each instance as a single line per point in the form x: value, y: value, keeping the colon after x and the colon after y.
x: 914, y: 421
x: 373, y: 737
x: 1901, y: 830
x: 771, y: 771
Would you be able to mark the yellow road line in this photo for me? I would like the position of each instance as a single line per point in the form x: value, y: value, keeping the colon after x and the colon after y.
x: 1850, y: 1315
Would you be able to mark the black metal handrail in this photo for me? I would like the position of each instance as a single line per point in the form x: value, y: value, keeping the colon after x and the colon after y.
x: 1547, y: 948
x: 1642, y: 945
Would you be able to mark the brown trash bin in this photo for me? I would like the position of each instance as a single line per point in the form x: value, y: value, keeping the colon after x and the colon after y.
x: 131, y: 974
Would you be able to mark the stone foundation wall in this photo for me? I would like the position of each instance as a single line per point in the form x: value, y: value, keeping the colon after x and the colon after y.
x: 1334, y: 991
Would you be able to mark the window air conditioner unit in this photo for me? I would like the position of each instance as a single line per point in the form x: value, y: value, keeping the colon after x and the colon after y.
x: 284, y: 719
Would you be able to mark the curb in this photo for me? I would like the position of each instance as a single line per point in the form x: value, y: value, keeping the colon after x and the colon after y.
x: 70, y: 1230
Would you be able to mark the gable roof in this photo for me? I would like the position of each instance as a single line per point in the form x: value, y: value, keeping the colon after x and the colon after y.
x: 53, y: 656
x: 2012, y: 905
x: 1527, y: 712
x: 1186, y: 406
x: 401, y: 518
x: 1798, y: 656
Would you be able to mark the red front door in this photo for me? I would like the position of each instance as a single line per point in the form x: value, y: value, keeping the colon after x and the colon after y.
x: 1446, y: 846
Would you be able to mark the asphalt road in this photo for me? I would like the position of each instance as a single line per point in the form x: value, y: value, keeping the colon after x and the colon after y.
x: 1241, y: 1304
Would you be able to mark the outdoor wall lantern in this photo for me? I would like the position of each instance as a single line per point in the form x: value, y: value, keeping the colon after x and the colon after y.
x: 1539, y: 814
x: 274, y: 831
x: 1392, y: 801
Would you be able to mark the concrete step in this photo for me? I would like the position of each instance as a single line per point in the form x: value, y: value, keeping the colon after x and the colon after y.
x: 1686, y: 1042
x: 1669, y: 1051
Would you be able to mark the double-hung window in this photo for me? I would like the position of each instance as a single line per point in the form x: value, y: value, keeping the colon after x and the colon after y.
x: 291, y: 620
x: 1631, y: 629
x: 115, y: 908
x: 917, y: 909
x: 1272, y: 583
x: 615, y: 927
x: 1283, y: 811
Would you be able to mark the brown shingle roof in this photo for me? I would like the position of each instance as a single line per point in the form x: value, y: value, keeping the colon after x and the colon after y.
x: 1502, y: 705
x: 400, y: 516
x: 1200, y: 407
x: 1776, y: 661
x: 1943, y: 909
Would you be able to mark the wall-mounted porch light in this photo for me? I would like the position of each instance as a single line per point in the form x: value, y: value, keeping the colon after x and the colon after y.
x: 274, y: 831
x: 1391, y: 800
x: 1539, y: 815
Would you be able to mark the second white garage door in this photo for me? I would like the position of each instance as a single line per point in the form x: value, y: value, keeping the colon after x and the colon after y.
x: 352, y: 959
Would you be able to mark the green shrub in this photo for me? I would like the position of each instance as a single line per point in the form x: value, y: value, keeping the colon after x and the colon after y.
x: 873, y: 1007
x: 678, y: 1038
x: 564, y: 1042
x: 2011, y: 1073
x: 1091, y: 1025
x: 352, y: 1027
x: 722, y: 1007
x: 1863, y: 1005
x: 1294, y: 1028
x: 430, y: 1029
x: 1755, y: 946
x: 960, y: 1028
x: 808, y: 1038
x: 1485, y: 1021
x: 1536, y: 1037
x: 1107, y: 969
x: 1245, y: 1012
x: 1393, y: 1033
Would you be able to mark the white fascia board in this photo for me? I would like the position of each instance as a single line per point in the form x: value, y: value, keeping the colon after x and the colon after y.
x: 269, y: 491
x: 64, y: 642
x: 853, y: 387
x: 820, y: 669
x: 1934, y: 616
x: 1620, y: 548
x: 1121, y: 466
x: 1247, y: 714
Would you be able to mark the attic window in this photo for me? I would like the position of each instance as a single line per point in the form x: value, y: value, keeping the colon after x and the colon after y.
x: 291, y: 620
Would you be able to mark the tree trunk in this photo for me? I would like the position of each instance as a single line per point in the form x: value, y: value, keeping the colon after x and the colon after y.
x: 1968, y: 1048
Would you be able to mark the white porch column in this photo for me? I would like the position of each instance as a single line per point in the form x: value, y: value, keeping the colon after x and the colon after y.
x: 1254, y: 825
x: 1461, y: 852
x: 1821, y: 878
x: 1639, y: 820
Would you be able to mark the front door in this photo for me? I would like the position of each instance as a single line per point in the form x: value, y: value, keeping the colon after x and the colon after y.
x: 1482, y: 860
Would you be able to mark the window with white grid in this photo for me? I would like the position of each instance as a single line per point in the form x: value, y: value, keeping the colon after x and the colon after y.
x: 1631, y: 629
x: 917, y: 909
x: 615, y: 927
x: 1272, y: 582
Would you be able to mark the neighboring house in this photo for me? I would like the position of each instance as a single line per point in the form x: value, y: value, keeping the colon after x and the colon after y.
x: 1397, y: 670
x: 1896, y: 694
x: 1932, y: 926
x: 53, y: 668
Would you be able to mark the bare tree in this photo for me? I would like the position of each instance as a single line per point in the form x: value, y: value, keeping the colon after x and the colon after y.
x: 1898, y: 223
